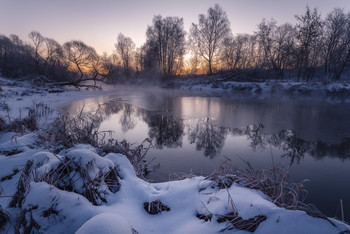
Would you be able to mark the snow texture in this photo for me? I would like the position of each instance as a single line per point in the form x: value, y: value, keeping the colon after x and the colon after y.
x: 58, y: 211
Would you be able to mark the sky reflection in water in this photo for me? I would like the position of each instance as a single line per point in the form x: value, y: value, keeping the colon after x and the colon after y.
x: 194, y: 134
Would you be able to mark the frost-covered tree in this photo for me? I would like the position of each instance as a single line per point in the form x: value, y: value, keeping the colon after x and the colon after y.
x: 126, y: 50
x: 166, y: 42
x: 208, y: 35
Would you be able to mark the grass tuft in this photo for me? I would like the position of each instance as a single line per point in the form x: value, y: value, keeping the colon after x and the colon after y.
x: 155, y: 207
x: 4, y: 217
x: 68, y: 131
x: 273, y: 182
x: 26, y: 223
x: 237, y: 222
x: 28, y: 123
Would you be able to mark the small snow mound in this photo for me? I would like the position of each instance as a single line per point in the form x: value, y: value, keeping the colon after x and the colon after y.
x: 125, y: 167
x: 86, y: 157
x: 13, y: 141
x: 105, y: 223
x: 84, y: 146
x: 45, y: 162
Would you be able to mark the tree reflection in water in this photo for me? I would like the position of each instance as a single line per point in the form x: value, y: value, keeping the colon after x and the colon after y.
x: 207, y: 137
x: 168, y: 131
x: 164, y: 129
x: 254, y: 135
x: 127, y: 120
x: 294, y: 148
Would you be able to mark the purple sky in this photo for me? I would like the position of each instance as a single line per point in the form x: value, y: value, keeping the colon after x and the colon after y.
x: 98, y: 22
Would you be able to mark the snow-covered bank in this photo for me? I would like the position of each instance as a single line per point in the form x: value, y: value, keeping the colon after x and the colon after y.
x: 17, y: 96
x: 216, y: 84
x: 80, y: 189
x: 192, y: 205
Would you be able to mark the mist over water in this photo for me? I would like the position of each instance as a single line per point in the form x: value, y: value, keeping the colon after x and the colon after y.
x: 194, y: 133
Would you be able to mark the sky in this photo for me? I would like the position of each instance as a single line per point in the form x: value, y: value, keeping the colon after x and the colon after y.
x: 98, y: 22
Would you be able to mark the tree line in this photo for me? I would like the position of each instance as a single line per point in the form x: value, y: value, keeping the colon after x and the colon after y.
x: 313, y: 48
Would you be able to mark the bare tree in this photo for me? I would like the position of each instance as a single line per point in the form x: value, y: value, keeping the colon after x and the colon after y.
x: 229, y: 54
x: 248, y: 57
x: 126, y: 49
x: 209, y: 33
x: 16, y: 57
x: 336, y: 43
x: 276, y: 45
x: 52, y: 58
x: 38, y: 43
x: 166, y: 41
x: 108, y: 67
x: 140, y: 58
x: 265, y: 40
x: 6, y: 49
x: 194, y: 64
x: 284, y: 48
x: 83, y: 62
x: 241, y: 54
x: 308, y: 32
x: 80, y: 57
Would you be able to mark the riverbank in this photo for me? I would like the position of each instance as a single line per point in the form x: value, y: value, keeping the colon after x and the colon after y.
x: 81, y: 188
x: 290, y: 88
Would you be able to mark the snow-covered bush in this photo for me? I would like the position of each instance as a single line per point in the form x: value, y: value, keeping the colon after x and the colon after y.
x: 68, y: 131
x: 81, y: 171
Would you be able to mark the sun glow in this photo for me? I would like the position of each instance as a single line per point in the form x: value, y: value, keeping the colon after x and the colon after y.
x: 193, y: 64
x: 187, y: 57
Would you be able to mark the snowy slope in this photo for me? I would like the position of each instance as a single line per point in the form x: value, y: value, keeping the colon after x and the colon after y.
x: 59, y: 211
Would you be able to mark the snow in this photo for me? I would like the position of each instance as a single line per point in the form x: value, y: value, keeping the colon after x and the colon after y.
x: 19, y: 96
x: 85, y: 157
x: 124, y: 209
x: 335, y: 90
x: 107, y: 223
x: 58, y: 211
x: 13, y: 141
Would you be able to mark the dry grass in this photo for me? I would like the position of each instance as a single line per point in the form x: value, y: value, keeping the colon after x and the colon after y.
x: 233, y: 218
x: 68, y: 131
x: 155, y: 207
x: 22, y: 124
x: 94, y: 188
x: 2, y: 124
x: 28, y: 123
x: 26, y: 223
x: 135, y: 154
x: 274, y: 183
x: 23, y: 185
x: 68, y: 176
x: 237, y: 222
x: 4, y: 217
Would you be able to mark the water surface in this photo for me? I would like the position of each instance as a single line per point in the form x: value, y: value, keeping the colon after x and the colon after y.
x: 194, y: 133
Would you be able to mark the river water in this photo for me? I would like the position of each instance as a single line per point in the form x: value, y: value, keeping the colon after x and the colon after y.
x: 193, y: 133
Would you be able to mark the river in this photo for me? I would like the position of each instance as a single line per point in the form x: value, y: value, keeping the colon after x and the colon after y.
x: 194, y: 133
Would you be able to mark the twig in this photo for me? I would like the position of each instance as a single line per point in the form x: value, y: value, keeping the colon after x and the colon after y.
x: 341, y: 210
